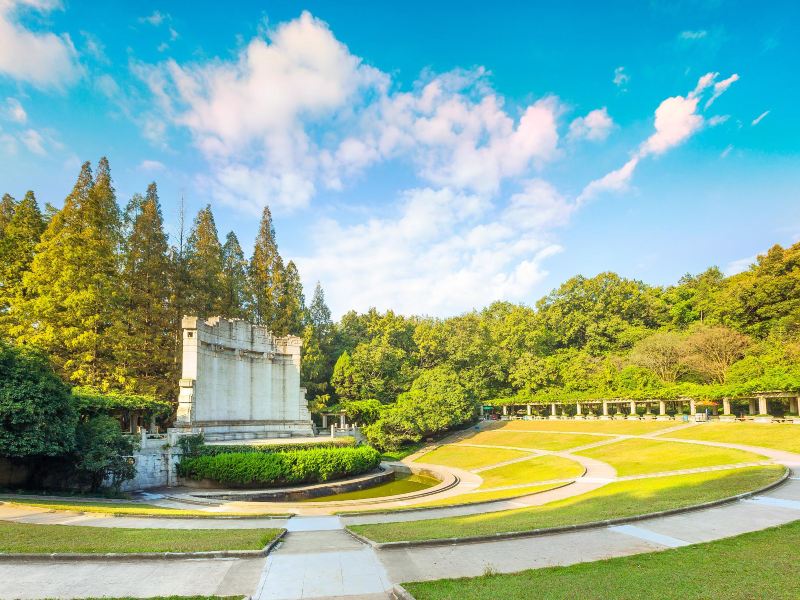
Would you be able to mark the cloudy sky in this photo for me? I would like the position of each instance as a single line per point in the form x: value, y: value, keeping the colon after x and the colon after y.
x: 426, y: 157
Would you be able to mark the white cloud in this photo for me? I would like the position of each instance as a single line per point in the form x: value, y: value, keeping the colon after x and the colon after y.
x: 445, y: 251
x: 676, y: 120
x: 621, y: 78
x: 297, y: 111
x: 41, y: 59
x: 33, y: 141
x: 151, y: 165
x: 693, y: 35
x: 15, y: 111
x: 758, y: 119
x: 155, y: 19
x: 721, y: 87
x: 741, y: 264
x: 595, y: 126
x: 726, y: 151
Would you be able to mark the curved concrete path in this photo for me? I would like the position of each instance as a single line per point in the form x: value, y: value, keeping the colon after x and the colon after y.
x: 327, y: 563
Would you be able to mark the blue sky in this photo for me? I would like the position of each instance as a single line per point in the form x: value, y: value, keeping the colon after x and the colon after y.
x: 426, y: 157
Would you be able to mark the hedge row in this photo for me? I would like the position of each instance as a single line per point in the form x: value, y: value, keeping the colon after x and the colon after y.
x: 213, y: 450
x: 281, y: 468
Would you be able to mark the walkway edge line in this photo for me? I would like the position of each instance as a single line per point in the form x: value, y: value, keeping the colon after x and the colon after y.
x: 128, y: 556
x: 566, y: 528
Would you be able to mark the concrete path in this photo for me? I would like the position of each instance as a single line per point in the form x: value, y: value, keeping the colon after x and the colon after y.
x: 777, y: 507
x: 318, y: 559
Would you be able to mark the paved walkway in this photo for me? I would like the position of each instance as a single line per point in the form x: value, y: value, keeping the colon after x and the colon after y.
x: 317, y: 559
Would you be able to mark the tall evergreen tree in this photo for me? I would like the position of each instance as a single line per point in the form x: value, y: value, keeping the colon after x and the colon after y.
x: 265, y: 273
x: 17, y: 245
x: 319, y: 315
x: 235, y: 302
x: 292, y: 305
x: 7, y: 207
x: 204, y: 294
x: 73, y: 282
x: 144, y: 353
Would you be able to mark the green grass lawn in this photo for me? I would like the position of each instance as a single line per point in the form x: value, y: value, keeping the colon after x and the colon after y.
x: 127, y: 509
x: 42, y: 539
x: 619, y: 426
x: 467, y: 457
x: 780, y: 436
x: 487, y: 496
x: 541, y: 468
x: 638, y: 457
x: 401, y: 453
x: 401, y: 485
x: 623, y: 499
x: 762, y: 564
x: 526, y: 439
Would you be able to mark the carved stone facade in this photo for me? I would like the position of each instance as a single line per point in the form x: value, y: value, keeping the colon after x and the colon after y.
x: 240, y: 382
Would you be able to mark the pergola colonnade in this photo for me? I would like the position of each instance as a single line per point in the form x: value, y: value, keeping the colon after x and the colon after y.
x: 602, y: 407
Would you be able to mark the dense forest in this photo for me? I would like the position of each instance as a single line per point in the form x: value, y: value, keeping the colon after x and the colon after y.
x: 101, y: 291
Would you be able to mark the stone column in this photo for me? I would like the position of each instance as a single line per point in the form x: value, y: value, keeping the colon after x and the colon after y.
x: 324, y: 421
x: 528, y: 406
x: 751, y: 406
x: 578, y: 408
x: 692, y: 407
x: 763, y: 408
x: 793, y: 405
x: 726, y: 406
x: 342, y: 422
x: 662, y: 408
x: 605, y: 409
x: 505, y: 410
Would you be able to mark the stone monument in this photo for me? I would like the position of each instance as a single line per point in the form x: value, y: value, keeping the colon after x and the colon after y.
x: 240, y: 382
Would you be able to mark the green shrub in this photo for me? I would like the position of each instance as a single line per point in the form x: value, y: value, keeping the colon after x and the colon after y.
x: 204, y: 450
x: 280, y: 468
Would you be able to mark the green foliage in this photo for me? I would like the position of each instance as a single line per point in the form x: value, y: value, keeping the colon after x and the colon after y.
x: 265, y: 272
x: 36, y: 415
x: 362, y: 412
x: 103, y: 452
x: 91, y: 401
x: 436, y: 402
x: 281, y: 468
x: 205, y: 294
x: 235, y: 289
x: 213, y: 450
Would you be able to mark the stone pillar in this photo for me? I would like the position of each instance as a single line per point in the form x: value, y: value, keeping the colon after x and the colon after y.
x: 605, y: 409
x: 578, y: 408
x: 342, y: 421
x: 528, y: 406
x: 662, y: 408
x: 333, y: 429
x: 692, y: 407
x: 726, y: 406
x: 763, y: 408
x: 751, y: 408
x: 793, y: 406
x: 633, y: 407
x: 505, y: 410
x: 553, y: 409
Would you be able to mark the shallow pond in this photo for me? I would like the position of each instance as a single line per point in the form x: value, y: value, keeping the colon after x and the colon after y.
x: 402, y: 484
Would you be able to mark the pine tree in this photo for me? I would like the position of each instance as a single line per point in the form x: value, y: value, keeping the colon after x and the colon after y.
x: 144, y: 352
x: 17, y: 244
x: 319, y: 315
x: 7, y: 207
x: 292, y: 301
x: 235, y: 302
x: 265, y: 273
x: 74, y: 279
x: 204, y: 294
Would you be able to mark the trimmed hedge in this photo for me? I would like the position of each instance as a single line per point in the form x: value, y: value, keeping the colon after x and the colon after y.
x: 213, y: 450
x: 280, y: 468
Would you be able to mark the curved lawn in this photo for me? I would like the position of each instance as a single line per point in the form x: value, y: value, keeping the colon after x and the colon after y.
x: 540, y: 468
x: 467, y: 457
x: 532, y: 439
x: 779, y: 436
x: 639, y: 457
x: 616, y: 500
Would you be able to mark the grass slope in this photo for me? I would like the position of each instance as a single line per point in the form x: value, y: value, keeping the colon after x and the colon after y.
x: 527, y: 439
x: 779, y: 436
x: 466, y: 457
x: 128, y: 509
x: 753, y: 565
x: 42, y: 539
x: 623, y: 499
x: 541, y: 468
x: 639, y: 457
x: 579, y: 426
